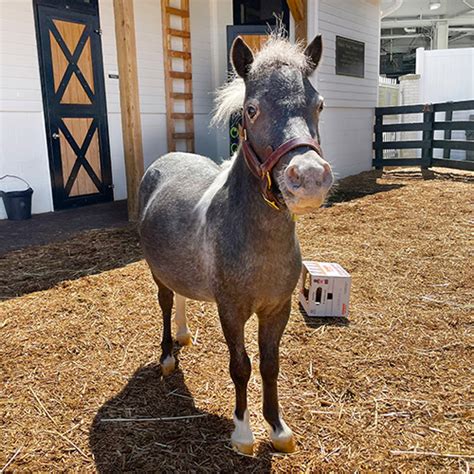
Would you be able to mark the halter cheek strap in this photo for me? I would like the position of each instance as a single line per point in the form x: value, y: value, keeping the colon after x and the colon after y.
x: 262, y: 169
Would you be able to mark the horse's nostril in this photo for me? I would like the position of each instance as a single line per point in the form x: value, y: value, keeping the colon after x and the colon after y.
x: 293, y: 175
x: 327, y: 171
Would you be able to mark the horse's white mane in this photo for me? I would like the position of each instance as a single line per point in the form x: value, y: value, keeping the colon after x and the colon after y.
x: 277, y: 51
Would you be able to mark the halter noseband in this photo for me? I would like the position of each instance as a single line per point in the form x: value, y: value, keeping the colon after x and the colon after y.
x: 261, y: 169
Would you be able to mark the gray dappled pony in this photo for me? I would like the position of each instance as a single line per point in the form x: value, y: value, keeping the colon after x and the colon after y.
x: 226, y: 233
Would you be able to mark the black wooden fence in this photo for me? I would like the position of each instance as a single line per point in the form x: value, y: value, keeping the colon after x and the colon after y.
x: 428, y: 142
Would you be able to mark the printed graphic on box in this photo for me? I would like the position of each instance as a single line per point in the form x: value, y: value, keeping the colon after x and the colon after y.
x: 324, y: 289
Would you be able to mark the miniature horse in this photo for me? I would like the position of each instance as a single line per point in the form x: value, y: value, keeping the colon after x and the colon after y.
x: 226, y: 234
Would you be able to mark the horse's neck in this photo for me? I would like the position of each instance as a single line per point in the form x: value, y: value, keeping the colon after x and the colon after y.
x: 247, y: 200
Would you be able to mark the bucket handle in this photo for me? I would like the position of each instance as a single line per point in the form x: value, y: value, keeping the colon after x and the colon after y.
x: 17, y: 177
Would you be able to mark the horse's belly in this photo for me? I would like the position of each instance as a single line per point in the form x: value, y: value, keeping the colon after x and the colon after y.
x: 182, y: 274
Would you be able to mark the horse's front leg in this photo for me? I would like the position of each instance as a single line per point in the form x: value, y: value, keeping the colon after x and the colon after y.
x: 271, y: 325
x: 233, y: 322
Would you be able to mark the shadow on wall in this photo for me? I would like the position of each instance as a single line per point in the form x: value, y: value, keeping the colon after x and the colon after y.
x: 195, y: 444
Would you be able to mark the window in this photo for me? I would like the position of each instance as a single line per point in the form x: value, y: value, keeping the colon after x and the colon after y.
x: 261, y: 12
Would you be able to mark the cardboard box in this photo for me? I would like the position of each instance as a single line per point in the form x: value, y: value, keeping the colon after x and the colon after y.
x: 324, y: 289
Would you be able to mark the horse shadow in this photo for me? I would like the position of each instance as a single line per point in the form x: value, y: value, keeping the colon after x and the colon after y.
x: 194, y: 441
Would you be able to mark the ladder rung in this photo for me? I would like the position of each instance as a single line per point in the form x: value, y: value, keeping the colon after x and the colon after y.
x: 183, y: 136
x: 179, y: 54
x: 181, y: 95
x: 181, y: 116
x: 181, y: 75
x: 178, y: 33
x: 177, y: 11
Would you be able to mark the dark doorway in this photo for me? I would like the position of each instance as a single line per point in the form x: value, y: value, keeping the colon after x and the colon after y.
x: 72, y: 78
x: 261, y: 12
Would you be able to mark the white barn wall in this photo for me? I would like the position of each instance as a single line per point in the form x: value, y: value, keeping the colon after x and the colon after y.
x: 23, y: 149
x: 221, y: 16
x: 347, y: 121
x: 202, y: 37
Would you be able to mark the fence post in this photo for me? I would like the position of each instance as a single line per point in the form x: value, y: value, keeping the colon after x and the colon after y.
x: 378, y: 161
x: 427, y: 152
x: 447, y: 133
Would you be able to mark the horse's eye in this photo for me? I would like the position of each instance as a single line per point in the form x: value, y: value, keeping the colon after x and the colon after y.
x: 321, y: 106
x: 251, y: 111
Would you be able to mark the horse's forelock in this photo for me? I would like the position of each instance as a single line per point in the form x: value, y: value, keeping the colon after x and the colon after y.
x: 276, y: 52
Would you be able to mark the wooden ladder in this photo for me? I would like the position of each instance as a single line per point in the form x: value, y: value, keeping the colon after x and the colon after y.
x: 179, y: 100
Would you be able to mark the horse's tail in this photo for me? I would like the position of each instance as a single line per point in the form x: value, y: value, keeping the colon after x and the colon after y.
x: 148, y: 186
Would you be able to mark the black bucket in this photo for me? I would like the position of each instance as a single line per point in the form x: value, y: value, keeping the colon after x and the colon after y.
x: 17, y: 203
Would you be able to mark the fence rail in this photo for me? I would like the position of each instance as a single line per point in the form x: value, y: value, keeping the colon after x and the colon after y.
x: 428, y: 142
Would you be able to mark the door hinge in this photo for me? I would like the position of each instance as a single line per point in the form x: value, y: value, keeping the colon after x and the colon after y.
x: 98, y: 31
x: 111, y: 186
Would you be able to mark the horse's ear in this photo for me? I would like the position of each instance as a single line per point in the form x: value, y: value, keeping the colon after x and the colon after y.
x: 313, y: 52
x: 242, y: 57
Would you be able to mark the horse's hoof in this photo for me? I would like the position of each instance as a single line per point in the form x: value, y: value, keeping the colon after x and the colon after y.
x: 243, y: 448
x: 242, y: 438
x: 185, y: 339
x: 287, y: 445
x: 168, y: 365
x: 283, y: 440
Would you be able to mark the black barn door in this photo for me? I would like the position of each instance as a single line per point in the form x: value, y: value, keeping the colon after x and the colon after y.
x: 74, y: 101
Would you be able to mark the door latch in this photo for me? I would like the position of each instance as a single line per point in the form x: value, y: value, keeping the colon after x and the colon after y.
x: 55, y: 136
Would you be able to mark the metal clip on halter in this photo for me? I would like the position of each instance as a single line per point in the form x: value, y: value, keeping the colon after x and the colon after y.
x: 272, y: 204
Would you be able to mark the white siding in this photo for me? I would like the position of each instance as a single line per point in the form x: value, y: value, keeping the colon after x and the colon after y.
x: 347, y: 121
x: 358, y: 20
x: 221, y: 16
x: 23, y: 150
x: 150, y: 82
x: 346, y: 135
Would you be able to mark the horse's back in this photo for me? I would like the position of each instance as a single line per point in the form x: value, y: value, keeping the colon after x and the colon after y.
x: 185, y: 172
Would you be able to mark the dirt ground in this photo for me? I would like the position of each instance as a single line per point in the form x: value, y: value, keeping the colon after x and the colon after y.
x: 388, y: 390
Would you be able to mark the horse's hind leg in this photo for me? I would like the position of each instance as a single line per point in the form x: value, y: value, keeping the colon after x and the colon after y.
x: 183, y: 335
x: 270, y: 330
x: 165, y: 298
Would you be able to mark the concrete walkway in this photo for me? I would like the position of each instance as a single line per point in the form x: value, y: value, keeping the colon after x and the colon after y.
x: 59, y: 225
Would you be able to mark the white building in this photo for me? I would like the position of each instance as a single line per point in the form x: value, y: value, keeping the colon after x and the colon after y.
x: 48, y: 97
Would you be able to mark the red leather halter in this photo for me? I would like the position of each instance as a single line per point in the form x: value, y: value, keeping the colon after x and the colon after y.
x: 262, y: 169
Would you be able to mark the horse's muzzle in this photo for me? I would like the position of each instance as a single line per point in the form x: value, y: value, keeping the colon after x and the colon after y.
x: 308, y: 179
